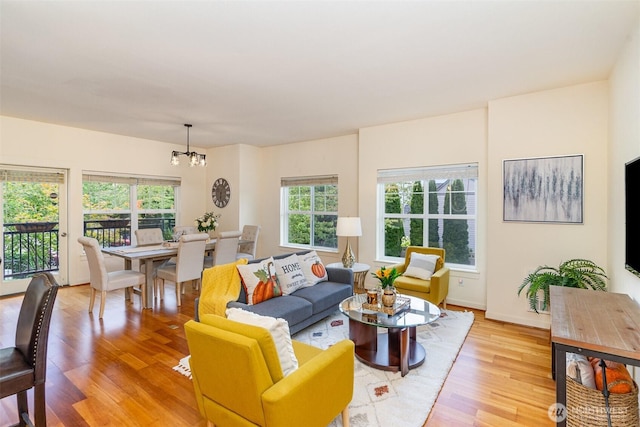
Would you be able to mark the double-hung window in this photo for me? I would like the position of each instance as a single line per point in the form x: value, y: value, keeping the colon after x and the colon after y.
x: 309, y: 212
x: 115, y: 206
x: 429, y: 206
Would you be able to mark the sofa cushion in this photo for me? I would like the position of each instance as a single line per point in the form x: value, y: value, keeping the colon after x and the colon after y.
x: 279, y: 330
x: 324, y: 295
x: 259, y: 281
x: 290, y: 275
x: 294, y: 310
x: 413, y: 284
x: 313, y: 268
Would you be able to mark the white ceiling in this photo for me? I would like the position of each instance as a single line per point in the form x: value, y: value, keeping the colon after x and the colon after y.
x: 274, y: 72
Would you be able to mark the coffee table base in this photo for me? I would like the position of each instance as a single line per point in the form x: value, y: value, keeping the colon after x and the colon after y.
x: 395, y: 351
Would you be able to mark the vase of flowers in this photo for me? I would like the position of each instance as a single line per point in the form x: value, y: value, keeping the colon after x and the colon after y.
x: 386, y: 278
x: 207, y: 223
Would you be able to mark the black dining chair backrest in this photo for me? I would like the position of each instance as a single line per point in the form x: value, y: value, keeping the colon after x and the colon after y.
x: 24, y: 366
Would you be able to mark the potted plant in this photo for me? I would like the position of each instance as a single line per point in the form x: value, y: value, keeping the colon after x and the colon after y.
x: 207, y: 223
x: 574, y: 273
x: 386, y: 278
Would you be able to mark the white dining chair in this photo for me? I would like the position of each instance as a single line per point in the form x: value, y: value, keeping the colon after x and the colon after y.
x: 185, y: 229
x: 248, y: 250
x: 149, y: 236
x: 103, y: 281
x: 189, y: 263
x: 225, y: 250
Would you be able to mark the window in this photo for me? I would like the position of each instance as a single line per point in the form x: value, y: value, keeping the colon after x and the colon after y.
x: 115, y: 206
x: 431, y: 206
x: 310, y: 212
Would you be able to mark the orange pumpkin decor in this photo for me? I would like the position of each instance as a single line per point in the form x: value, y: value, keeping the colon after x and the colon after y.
x: 268, y: 287
x: 318, y: 269
x: 618, y: 378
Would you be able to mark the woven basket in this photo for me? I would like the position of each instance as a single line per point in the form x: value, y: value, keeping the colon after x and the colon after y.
x: 586, y: 406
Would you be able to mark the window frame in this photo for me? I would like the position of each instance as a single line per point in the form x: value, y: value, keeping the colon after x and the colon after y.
x: 445, y: 174
x: 133, y: 211
x: 285, y: 212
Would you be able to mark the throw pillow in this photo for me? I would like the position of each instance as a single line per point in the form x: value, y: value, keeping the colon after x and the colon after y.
x: 279, y: 329
x: 579, y: 368
x: 313, y: 268
x: 259, y: 281
x: 421, y: 266
x: 289, y: 274
x: 618, y: 378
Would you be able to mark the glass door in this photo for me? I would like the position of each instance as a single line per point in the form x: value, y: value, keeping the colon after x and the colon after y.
x: 34, y: 219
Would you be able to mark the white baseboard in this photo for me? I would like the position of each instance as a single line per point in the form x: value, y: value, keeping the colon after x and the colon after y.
x: 464, y: 303
x: 540, y: 321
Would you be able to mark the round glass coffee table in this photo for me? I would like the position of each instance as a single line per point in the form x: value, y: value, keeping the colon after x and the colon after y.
x: 397, y: 349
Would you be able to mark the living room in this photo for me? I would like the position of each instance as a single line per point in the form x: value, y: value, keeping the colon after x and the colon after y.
x: 597, y: 118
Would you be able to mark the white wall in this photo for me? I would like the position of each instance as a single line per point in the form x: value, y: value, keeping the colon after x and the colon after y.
x: 30, y: 143
x: 329, y: 156
x: 624, y: 145
x: 570, y: 120
x: 449, y: 139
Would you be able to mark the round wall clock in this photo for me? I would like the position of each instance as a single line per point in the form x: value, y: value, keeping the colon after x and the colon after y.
x: 220, y: 192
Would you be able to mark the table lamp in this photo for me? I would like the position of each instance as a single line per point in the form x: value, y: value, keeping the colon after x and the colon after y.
x: 348, y: 226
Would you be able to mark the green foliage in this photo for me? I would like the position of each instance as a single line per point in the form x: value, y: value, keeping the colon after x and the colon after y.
x: 393, y: 227
x: 455, y: 233
x: 98, y: 196
x: 29, y: 202
x: 574, y: 273
x: 416, y: 227
x: 306, y: 223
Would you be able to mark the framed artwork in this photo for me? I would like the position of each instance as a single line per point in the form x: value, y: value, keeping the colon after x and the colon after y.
x: 544, y: 189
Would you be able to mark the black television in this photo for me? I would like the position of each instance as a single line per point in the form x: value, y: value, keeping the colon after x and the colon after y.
x: 632, y: 217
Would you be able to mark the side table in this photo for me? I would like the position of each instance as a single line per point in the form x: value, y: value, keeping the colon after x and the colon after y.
x: 360, y: 271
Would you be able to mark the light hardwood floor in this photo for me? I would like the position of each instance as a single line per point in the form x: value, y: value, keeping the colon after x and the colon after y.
x: 117, y: 371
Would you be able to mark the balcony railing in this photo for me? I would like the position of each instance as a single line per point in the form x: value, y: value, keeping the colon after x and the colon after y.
x: 31, y: 248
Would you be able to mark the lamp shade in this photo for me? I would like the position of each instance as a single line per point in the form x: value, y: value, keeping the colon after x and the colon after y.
x: 349, y: 226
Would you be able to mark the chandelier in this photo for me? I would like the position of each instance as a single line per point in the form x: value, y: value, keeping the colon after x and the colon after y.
x: 195, y: 159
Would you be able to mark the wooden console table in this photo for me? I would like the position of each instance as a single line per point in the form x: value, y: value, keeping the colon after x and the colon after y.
x: 593, y: 323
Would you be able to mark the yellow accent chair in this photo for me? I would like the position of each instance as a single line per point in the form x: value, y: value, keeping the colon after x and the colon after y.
x: 238, y: 380
x: 435, y: 289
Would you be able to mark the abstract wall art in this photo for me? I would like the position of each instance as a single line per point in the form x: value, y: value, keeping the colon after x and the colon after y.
x: 544, y: 189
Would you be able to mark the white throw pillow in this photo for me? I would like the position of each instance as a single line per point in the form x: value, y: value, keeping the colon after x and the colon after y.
x: 290, y: 274
x: 279, y: 329
x: 313, y: 268
x: 579, y: 368
x: 259, y: 281
x: 421, y: 266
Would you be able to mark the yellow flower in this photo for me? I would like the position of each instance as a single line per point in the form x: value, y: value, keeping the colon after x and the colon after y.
x: 386, y: 277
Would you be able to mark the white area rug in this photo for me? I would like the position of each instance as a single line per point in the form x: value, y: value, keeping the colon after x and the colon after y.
x: 383, y: 398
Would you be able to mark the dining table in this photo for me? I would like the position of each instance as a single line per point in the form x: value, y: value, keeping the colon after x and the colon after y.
x: 150, y: 254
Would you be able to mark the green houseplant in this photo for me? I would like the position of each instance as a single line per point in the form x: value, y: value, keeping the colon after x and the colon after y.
x: 574, y: 273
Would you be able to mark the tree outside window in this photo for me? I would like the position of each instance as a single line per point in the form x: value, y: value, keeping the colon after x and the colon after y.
x: 310, y: 214
x: 445, y: 218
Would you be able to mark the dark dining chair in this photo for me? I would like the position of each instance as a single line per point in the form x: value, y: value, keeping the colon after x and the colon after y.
x: 25, y: 366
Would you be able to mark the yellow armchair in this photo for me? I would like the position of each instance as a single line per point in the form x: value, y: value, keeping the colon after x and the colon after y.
x: 435, y: 289
x: 238, y: 380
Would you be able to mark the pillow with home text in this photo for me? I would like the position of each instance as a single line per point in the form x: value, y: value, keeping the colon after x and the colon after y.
x: 290, y: 275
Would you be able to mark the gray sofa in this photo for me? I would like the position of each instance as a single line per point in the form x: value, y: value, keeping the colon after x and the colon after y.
x: 305, y: 306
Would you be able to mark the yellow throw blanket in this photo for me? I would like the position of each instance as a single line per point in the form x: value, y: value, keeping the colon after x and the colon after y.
x: 220, y: 284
